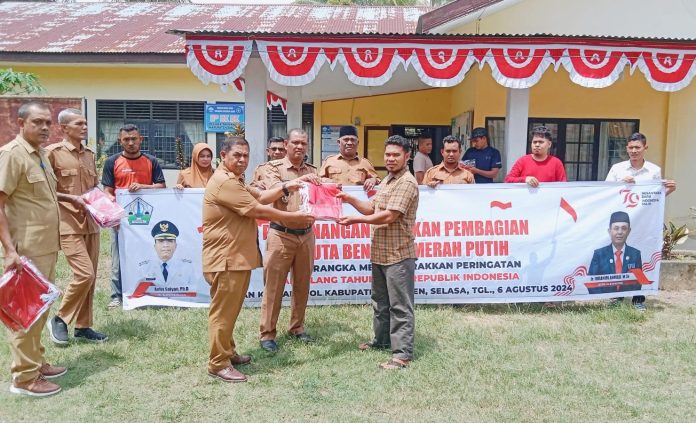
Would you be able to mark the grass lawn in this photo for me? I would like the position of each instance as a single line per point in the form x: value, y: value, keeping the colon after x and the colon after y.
x: 581, y: 362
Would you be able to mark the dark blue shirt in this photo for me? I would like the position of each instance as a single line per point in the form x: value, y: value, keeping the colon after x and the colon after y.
x: 486, y: 159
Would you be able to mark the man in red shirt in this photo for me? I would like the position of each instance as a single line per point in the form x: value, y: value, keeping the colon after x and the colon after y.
x: 539, y: 166
x: 132, y: 170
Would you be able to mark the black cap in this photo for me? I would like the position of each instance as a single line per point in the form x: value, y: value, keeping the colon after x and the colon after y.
x: 348, y: 130
x: 164, y: 230
x: 478, y: 132
x: 619, y: 216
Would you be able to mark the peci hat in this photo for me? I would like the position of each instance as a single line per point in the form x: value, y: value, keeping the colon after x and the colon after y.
x: 164, y: 230
x: 348, y: 130
x: 478, y: 132
x: 619, y: 217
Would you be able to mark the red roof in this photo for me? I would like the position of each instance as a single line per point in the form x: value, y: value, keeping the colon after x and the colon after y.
x: 141, y: 27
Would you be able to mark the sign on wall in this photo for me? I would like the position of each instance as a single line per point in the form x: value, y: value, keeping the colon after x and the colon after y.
x: 223, y: 117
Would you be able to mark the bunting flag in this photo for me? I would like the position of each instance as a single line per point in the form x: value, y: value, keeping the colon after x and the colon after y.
x: 443, y: 62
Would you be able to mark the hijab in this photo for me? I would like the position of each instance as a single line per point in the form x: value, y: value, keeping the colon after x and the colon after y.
x: 196, y: 176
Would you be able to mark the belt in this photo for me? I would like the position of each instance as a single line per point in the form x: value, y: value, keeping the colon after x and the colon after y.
x: 280, y: 228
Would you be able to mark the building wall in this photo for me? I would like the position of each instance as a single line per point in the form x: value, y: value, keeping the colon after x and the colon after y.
x: 680, y: 155
x: 121, y: 82
x: 638, y: 18
x: 556, y: 96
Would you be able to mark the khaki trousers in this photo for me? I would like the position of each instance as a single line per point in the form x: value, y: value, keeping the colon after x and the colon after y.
x: 82, y: 253
x: 283, y: 253
x: 26, y: 349
x: 227, y: 292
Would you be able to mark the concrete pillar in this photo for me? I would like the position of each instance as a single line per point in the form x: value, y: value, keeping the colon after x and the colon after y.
x: 90, y: 104
x: 294, y: 107
x: 256, y: 126
x: 516, y: 117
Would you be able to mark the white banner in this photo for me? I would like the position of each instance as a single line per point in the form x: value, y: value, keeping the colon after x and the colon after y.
x: 476, y: 244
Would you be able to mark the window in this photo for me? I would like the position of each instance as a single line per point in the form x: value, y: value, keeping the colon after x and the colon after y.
x: 161, y: 123
x: 587, y: 147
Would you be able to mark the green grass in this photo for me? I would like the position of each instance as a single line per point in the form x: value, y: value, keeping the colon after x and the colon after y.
x: 581, y: 362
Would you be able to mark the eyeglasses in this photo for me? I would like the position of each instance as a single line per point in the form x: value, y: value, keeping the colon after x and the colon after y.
x: 276, y: 148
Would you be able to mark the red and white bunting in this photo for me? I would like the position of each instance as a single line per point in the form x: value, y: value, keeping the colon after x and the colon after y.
x: 218, y: 61
x: 514, y: 62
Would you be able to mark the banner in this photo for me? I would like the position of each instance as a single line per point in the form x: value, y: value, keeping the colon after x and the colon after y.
x: 476, y: 244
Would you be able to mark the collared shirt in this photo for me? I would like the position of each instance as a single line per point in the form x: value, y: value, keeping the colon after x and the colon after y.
x: 486, y: 159
x: 283, y: 170
x: 446, y: 176
x: 649, y: 172
x: 26, y: 177
x: 354, y: 171
x: 395, y: 241
x: 230, y: 237
x: 261, y: 173
x: 421, y: 162
x: 77, y: 174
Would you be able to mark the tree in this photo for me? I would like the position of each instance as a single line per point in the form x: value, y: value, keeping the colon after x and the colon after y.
x: 19, y: 83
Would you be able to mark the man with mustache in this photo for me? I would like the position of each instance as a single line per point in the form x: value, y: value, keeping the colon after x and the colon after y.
x: 29, y: 226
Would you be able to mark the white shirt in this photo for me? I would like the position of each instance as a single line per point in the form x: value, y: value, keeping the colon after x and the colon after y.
x: 649, y: 172
x: 421, y: 162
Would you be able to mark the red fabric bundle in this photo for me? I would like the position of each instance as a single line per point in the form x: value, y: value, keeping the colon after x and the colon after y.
x: 25, y: 296
x: 105, y: 212
x: 321, y: 201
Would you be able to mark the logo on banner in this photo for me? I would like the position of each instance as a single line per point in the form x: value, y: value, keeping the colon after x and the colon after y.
x: 139, y: 212
x: 630, y: 198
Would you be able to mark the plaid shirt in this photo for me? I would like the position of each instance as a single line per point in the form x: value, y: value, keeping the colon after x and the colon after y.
x: 395, y: 242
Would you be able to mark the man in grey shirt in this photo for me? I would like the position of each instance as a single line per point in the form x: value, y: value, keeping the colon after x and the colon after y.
x: 421, y: 161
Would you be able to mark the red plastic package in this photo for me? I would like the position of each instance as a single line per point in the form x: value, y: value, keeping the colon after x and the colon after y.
x: 320, y: 201
x: 25, y: 296
x: 105, y: 212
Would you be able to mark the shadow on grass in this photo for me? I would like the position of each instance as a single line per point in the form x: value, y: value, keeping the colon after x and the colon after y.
x: 86, y: 365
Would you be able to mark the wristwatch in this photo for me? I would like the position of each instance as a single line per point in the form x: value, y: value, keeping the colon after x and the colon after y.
x: 286, y: 192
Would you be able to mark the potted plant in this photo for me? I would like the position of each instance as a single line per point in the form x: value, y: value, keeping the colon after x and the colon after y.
x: 678, y: 267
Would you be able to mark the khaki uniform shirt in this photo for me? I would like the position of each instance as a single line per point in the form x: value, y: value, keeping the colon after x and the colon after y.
x: 446, y: 176
x: 283, y: 171
x: 77, y: 173
x: 230, y: 238
x: 344, y: 171
x: 261, y: 173
x: 395, y: 242
x: 26, y: 177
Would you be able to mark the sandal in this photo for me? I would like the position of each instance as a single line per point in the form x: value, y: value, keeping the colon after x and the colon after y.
x: 395, y: 364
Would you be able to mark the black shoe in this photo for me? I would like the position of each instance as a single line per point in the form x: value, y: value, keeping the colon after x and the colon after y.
x: 269, y: 345
x: 87, y: 334
x: 58, y: 331
x: 303, y: 337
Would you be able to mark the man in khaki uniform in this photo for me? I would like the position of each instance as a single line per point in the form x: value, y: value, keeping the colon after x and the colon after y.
x: 347, y: 167
x: 274, y: 151
x: 29, y: 220
x: 76, y: 170
x: 449, y: 171
x: 289, y: 246
x: 230, y: 249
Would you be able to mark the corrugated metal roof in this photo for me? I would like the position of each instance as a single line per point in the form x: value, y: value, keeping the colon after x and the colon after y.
x: 142, y: 27
x: 452, y: 11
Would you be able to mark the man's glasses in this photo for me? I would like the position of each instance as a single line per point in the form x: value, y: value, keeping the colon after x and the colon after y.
x: 276, y: 148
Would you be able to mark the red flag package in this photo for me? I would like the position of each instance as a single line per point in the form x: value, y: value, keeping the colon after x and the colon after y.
x: 106, y: 213
x: 25, y: 296
x: 320, y: 201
